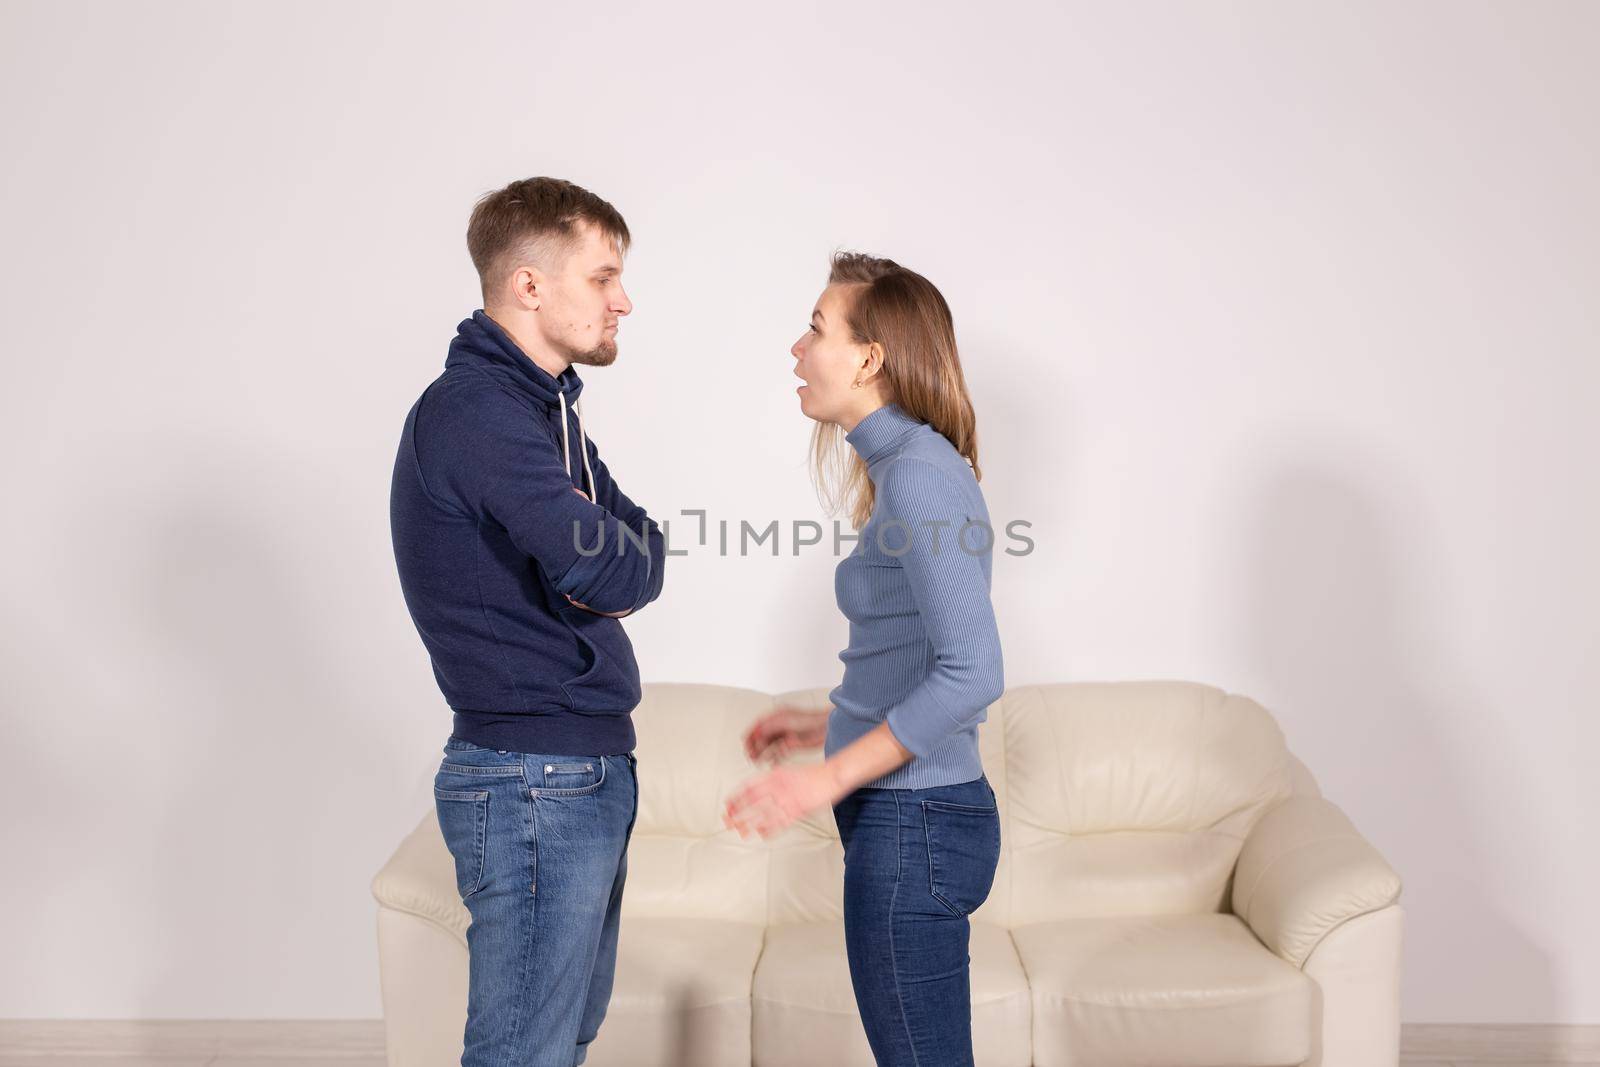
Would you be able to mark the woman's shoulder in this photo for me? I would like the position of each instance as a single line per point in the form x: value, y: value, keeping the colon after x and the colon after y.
x: 927, y: 474
x: 930, y: 449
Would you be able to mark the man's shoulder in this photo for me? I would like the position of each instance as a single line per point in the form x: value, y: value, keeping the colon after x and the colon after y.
x: 468, y: 385
x: 466, y: 393
x: 465, y: 417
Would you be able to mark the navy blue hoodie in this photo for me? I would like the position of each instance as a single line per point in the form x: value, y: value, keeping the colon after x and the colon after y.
x: 482, y: 510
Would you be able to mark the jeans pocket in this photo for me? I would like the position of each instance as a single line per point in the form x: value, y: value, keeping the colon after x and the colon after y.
x: 568, y: 776
x: 464, y: 824
x: 963, y: 852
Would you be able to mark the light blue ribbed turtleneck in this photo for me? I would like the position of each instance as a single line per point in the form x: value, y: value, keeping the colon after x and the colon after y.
x: 924, y: 649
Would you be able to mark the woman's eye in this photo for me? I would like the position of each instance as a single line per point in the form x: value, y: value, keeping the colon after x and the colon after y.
x: 812, y: 327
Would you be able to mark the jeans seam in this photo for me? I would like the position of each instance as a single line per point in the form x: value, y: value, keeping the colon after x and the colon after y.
x: 627, y: 835
x: 927, y: 836
x: 491, y: 771
x: 530, y: 927
x: 894, y: 895
x: 976, y: 809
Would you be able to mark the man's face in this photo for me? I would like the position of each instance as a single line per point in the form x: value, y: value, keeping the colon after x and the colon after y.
x: 582, y: 301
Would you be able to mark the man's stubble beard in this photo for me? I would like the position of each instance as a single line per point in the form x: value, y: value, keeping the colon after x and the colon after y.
x: 602, y: 355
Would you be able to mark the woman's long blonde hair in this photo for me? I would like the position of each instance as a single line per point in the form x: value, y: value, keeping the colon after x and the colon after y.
x: 907, y: 315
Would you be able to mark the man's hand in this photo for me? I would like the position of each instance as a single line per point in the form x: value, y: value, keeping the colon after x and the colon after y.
x: 608, y: 614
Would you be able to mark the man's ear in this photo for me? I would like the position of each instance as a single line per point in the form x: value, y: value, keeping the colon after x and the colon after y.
x: 527, y: 286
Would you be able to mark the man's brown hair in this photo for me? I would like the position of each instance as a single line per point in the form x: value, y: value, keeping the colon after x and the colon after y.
x: 535, y: 219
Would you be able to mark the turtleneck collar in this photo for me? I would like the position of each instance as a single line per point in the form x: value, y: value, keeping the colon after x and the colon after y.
x: 881, y: 430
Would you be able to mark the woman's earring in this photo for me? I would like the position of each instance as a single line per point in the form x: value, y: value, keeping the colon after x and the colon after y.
x: 856, y: 384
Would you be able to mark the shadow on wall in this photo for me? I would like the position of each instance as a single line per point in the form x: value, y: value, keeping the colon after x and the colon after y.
x: 1343, y: 658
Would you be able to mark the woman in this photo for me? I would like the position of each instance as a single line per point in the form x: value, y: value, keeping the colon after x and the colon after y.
x: 915, y: 813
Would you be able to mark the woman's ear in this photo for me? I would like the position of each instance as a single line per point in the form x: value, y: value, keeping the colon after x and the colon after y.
x: 874, y: 361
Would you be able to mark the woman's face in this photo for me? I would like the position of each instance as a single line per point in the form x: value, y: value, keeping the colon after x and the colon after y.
x: 828, y: 360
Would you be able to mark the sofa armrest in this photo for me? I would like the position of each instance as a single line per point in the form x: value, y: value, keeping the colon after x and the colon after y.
x: 419, y: 879
x: 1305, y: 869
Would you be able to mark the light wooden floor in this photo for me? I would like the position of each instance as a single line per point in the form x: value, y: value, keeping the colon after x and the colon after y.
x: 76, y: 1060
x: 359, y: 1043
x: 71, y: 1059
x: 309, y: 1059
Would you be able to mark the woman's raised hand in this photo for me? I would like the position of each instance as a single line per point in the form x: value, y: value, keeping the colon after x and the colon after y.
x: 784, y: 730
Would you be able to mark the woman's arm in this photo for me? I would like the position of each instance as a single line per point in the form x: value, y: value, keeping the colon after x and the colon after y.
x: 870, y: 756
x: 951, y: 591
x: 771, y: 802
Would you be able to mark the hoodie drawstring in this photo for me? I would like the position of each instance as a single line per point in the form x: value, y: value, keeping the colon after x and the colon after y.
x: 583, y: 443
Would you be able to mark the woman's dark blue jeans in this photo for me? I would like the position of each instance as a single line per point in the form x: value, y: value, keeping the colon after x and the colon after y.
x: 917, y: 862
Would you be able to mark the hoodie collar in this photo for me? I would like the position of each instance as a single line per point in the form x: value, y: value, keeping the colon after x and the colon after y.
x: 882, y: 429
x: 483, y: 343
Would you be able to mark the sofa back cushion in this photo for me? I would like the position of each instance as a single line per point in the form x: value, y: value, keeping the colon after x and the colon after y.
x: 1131, y: 798
x: 682, y: 861
x: 1115, y: 798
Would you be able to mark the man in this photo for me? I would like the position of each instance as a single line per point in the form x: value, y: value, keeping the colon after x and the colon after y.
x: 518, y: 554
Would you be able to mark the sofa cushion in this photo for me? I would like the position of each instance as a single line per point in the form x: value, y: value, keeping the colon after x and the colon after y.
x: 682, y: 987
x: 420, y: 879
x: 805, y: 1008
x: 681, y: 994
x: 1132, y: 798
x: 1162, y: 989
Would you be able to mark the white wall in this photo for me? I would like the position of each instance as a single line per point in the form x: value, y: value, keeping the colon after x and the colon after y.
x: 1279, y: 319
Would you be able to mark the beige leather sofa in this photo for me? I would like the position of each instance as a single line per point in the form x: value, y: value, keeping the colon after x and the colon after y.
x: 1173, y: 889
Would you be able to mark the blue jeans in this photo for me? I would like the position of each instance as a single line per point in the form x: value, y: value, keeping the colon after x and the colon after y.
x: 540, y: 843
x: 917, y: 862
